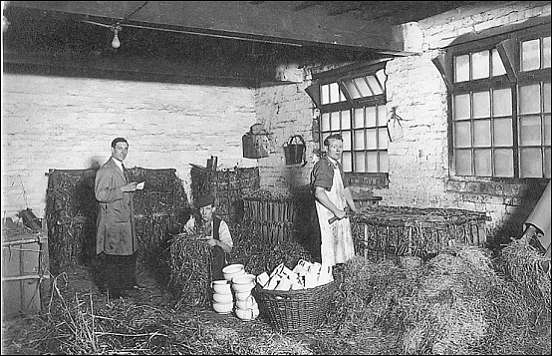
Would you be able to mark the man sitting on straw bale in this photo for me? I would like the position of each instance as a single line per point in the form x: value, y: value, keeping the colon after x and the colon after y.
x: 116, y: 242
x: 537, y: 225
x: 216, y: 232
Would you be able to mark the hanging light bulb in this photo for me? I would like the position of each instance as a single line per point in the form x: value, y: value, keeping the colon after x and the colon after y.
x: 116, y: 43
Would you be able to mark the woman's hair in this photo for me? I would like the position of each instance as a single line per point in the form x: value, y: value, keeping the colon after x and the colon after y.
x: 332, y: 137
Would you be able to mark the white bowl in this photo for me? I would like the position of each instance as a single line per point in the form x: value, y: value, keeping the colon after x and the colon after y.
x: 244, y: 279
x: 242, y: 295
x: 232, y: 271
x: 247, y: 303
x: 221, y: 287
x: 223, y: 298
x: 247, y: 314
x: 243, y: 287
x: 223, y: 308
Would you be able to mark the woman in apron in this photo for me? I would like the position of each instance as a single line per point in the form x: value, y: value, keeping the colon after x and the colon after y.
x: 332, y: 197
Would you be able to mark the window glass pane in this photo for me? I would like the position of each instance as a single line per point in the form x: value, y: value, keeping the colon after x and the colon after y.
x: 462, y: 135
x: 462, y: 68
x: 480, y: 65
x: 483, y: 163
x: 359, y: 140
x: 374, y: 85
x: 371, y: 116
x: 372, y: 162
x: 325, y: 94
x: 547, y: 129
x: 502, y: 102
x: 530, y: 55
x: 529, y: 130
x: 462, y: 162
x: 371, y: 138
x: 334, y: 93
x: 359, y: 118
x: 530, y: 163
x: 345, y: 120
x: 498, y: 66
x: 346, y: 140
x: 546, y: 52
x: 334, y: 121
x: 346, y: 161
x: 382, y: 136
x: 384, y: 161
x: 353, y: 92
x: 547, y: 162
x: 546, y: 96
x: 363, y: 87
x: 462, y: 106
x: 360, y: 161
x: 380, y: 74
x: 503, y: 163
x: 482, y: 133
x: 481, y: 104
x: 325, y: 122
x: 502, y: 134
x: 382, y: 115
x: 529, y: 99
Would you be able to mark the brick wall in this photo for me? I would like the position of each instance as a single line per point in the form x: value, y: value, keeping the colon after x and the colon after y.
x: 68, y: 123
x: 418, y: 162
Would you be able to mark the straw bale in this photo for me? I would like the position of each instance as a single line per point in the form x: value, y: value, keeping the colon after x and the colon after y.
x: 525, y: 265
x: 190, y: 269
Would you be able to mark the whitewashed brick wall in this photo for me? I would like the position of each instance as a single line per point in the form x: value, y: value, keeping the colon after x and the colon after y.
x: 68, y: 123
x: 418, y: 162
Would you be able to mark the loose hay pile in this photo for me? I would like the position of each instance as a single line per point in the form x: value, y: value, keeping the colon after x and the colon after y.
x: 446, y: 306
x: 525, y: 265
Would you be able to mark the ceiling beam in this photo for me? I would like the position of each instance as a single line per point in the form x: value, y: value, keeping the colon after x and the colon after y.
x: 238, y: 19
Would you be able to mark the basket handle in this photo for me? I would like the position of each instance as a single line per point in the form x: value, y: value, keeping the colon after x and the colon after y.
x: 290, y: 141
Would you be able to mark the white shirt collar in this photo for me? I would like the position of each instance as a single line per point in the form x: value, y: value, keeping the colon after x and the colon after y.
x: 118, y: 163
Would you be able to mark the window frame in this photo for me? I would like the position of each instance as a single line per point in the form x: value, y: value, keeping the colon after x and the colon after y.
x: 506, y: 80
x: 339, y: 75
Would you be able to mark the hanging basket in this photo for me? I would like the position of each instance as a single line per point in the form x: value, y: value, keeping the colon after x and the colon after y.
x: 295, y: 151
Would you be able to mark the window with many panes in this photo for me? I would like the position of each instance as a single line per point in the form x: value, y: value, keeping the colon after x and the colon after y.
x: 500, y: 123
x: 354, y: 106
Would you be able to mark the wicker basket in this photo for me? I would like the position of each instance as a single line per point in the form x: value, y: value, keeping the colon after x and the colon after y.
x: 296, y: 311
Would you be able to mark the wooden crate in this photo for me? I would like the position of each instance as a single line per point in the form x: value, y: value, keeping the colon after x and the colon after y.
x: 25, y: 273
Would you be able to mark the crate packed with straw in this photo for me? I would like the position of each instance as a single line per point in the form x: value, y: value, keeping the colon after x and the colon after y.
x: 271, y: 212
x: 527, y: 267
x: 71, y: 213
x: 228, y: 186
x: 380, y: 231
x: 160, y: 209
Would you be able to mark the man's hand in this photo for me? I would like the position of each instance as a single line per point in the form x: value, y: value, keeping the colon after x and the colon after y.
x: 211, y: 242
x: 340, y: 214
x: 130, y: 187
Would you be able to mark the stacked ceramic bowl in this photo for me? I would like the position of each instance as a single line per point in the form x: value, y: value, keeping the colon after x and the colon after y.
x: 223, y: 301
x: 246, y: 306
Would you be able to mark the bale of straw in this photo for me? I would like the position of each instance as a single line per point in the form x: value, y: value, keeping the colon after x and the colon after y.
x: 190, y: 265
x: 525, y: 265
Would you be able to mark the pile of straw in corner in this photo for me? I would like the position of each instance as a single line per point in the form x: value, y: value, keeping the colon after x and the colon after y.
x: 524, y: 265
x: 436, y: 308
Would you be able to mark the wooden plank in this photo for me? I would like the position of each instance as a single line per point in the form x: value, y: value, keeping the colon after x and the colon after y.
x: 11, y: 298
x: 267, y: 21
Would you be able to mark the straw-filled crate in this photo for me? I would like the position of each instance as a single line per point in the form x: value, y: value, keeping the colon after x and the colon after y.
x: 405, y: 231
x: 296, y: 311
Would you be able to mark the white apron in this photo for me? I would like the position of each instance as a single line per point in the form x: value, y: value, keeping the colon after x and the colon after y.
x: 337, y: 241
